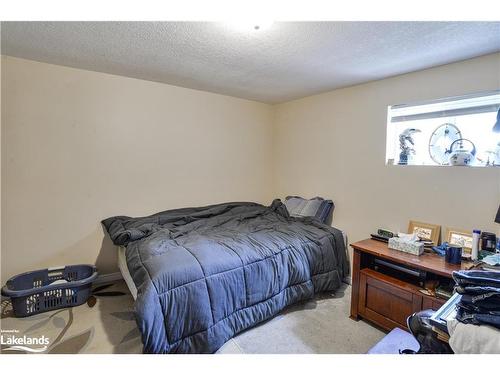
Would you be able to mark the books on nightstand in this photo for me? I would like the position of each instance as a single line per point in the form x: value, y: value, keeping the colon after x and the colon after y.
x: 444, y: 292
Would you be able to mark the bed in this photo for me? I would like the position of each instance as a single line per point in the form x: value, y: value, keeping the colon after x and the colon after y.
x: 201, y: 275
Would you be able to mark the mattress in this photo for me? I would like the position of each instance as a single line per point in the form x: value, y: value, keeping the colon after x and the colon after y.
x: 122, y: 265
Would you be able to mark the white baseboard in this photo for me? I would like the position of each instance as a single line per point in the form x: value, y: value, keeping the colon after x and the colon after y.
x: 108, y: 278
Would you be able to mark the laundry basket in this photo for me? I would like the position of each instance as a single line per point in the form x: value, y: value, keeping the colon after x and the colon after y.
x: 49, y: 289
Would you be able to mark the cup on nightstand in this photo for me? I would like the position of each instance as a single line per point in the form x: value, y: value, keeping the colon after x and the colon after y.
x: 453, y: 255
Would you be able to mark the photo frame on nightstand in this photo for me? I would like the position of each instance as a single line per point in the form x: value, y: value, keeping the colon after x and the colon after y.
x: 460, y: 238
x: 425, y: 231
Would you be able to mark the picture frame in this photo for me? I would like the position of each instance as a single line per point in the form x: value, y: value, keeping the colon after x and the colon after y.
x: 460, y: 238
x: 425, y: 231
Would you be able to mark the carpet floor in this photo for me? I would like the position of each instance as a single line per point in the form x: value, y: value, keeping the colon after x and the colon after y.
x: 107, y: 325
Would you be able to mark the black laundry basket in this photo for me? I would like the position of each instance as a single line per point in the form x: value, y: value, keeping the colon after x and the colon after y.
x: 49, y: 289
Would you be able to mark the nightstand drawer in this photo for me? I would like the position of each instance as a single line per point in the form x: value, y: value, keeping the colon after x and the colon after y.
x: 432, y: 303
x: 385, y: 300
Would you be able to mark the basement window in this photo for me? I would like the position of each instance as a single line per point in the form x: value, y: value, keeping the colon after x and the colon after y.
x: 454, y: 131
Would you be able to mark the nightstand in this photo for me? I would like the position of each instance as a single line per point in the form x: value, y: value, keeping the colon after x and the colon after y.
x: 387, y: 285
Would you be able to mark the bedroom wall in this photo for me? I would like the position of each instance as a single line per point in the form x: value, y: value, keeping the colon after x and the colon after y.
x: 333, y: 145
x: 79, y: 146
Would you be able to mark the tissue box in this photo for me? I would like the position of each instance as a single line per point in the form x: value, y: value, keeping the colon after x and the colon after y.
x: 406, y: 246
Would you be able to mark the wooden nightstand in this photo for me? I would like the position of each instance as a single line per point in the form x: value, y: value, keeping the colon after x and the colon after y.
x: 386, y: 295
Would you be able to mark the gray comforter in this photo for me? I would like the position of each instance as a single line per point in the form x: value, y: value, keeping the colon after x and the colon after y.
x: 204, y: 274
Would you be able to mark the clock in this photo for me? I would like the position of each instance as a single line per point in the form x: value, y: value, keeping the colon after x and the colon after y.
x: 440, y: 142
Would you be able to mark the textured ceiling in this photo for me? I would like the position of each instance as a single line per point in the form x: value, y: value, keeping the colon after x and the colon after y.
x: 287, y: 61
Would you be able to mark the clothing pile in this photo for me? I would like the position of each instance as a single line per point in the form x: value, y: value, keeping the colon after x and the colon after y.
x: 480, y: 301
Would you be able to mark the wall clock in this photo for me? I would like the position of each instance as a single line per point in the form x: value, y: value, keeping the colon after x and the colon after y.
x: 440, y: 142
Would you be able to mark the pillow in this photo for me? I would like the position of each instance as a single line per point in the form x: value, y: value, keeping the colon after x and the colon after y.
x: 316, y: 207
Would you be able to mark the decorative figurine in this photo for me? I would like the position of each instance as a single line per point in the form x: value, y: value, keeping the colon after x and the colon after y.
x: 405, y: 144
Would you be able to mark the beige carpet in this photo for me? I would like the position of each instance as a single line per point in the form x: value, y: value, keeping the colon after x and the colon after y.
x: 321, y: 325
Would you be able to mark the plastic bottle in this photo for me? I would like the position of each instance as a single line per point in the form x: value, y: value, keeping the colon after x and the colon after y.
x: 475, y: 244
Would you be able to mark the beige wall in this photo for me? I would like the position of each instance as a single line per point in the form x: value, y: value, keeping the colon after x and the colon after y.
x: 79, y: 146
x: 333, y: 145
